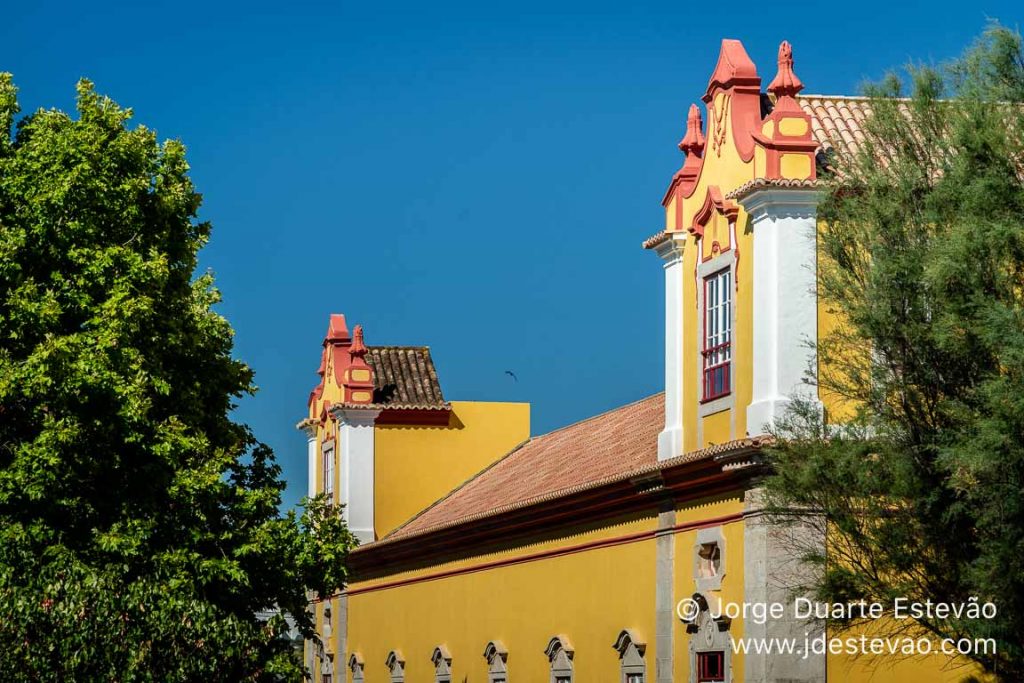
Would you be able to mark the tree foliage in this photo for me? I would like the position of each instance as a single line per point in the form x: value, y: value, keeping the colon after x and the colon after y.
x: 918, y: 482
x: 139, y: 524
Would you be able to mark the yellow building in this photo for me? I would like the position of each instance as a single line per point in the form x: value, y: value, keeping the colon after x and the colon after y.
x: 603, y: 551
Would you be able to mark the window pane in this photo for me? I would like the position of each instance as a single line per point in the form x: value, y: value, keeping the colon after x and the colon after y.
x: 717, y: 334
x: 710, y: 667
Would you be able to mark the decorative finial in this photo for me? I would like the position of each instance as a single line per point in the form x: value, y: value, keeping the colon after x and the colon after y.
x: 358, y: 348
x: 785, y: 83
x: 693, y: 142
x: 337, y: 330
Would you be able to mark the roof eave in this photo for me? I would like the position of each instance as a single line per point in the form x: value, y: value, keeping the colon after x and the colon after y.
x: 698, y: 474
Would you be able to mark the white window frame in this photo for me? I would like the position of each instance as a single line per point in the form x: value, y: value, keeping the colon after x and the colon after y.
x: 717, y: 331
x: 726, y: 402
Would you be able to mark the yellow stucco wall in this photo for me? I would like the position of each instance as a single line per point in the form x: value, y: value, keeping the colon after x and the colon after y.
x: 416, y: 465
x: 685, y: 582
x: 588, y: 596
x: 725, y: 169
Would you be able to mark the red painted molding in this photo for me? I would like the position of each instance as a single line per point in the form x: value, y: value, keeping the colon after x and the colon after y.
x: 712, y: 202
x: 736, y: 76
x: 337, y: 330
x: 414, y: 418
x: 785, y: 87
x: 357, y: 361
x: 734, y: 68
x: 684, y: 182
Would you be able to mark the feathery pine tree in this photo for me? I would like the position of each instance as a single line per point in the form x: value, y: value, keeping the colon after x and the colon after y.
x: 919, y: 484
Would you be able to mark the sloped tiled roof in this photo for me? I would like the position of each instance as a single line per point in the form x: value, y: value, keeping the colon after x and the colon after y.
x: 601, y: 447
x: 836, y: 121
x: 404, y: 377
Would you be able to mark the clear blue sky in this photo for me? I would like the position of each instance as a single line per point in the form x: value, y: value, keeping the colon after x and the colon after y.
x: 476, y: 177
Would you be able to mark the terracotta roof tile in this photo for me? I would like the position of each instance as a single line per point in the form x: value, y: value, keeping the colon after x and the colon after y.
x: 601, y: 447
x: 656, y: 239
x: 836, y: 120
x: 740, y: 448
x: 404, y: 377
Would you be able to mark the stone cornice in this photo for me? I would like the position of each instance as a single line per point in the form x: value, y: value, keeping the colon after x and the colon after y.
x: 670, y: 250
x: 793, y: 201
x: 357, y: 417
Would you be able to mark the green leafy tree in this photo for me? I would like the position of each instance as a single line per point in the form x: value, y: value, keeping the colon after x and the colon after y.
x: 139, y: 524
x: 920, y: 485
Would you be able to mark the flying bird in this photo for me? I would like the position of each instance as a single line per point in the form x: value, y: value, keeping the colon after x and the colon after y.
x: 512, y: 375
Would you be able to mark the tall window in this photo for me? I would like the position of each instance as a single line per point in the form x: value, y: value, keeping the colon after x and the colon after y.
x: 560, y: 654
x: 496, y: 656
x: 329, y: 473
x: 631, y: 657
x: 710, y: 667
x: 442, y: 661
x: 355, y: 663
x: 396, y: 665
x: 717, y: 334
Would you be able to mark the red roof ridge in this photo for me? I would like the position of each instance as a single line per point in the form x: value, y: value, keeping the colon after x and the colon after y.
x: 395, y: 406
x: 817, y: 96
x: 596, y: 416
x: 396, y: 346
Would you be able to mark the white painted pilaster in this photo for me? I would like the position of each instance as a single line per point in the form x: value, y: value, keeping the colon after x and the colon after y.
x: 784, y: 222
x: 670, y: 441
x: 309, y: 428
x: 355, y: 455
x: 311, y: 457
